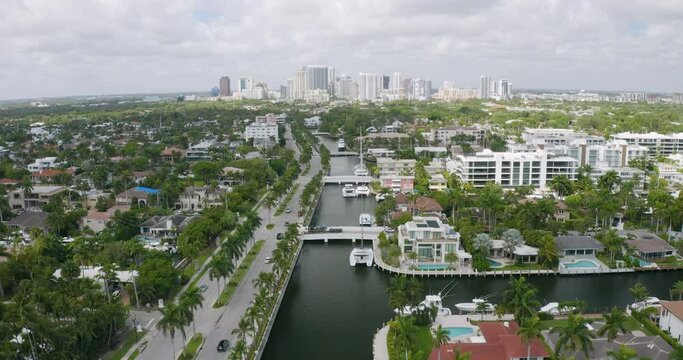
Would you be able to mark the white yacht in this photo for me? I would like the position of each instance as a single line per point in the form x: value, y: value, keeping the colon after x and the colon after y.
x: 380, y: 197
x: 429, y: 302
x: 361, y: 255
x: 341, y: 145
x: 349, y: 191
x: 471, y: 307
x: 553, y: 308
x: 362, y: 190
x: 649, y: 302
x: 366, y: 219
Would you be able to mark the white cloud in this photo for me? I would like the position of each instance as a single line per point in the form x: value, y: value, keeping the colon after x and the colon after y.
x: 64, y: 47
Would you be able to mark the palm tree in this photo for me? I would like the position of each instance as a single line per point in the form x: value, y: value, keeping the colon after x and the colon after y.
x: 677, y: 289
x: 404, y: 329
x: 269, y: 203
x: 439, y: 337
x: 217, y: 266
x: 239, y: 350
x: 624, y: 353
x: 615, y: 323
x: 512, y: 238
x: 398, y: 298
x: 481, y: 308
x: 244, y: 328
x: 457, y: 355
x: 482, y: 242
x: 520, y: 299
x: 677, y: 354
x: 574, y: 336
x: 191, y: 299
x: 529, y: 330
x: 170, y: 322
x: 639, y: 292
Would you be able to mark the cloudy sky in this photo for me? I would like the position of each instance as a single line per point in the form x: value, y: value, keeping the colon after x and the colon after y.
x: 76, y: 47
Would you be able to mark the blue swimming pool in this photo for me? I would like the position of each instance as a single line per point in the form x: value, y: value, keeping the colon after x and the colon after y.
x: 454, y: 332
x: 581, y: 264
x: 494, y: 264
x: 432, y: 266
x: 641, y: 262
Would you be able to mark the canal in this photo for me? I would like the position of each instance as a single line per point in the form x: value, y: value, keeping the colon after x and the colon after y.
x: 331, y: 310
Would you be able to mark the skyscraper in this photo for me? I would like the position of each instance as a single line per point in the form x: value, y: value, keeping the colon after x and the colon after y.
x: 503, y: 89
x: 245, y: 84
x: 343, y: 87
x: 368, y: 86
x: 484, y: 87
x: 299, y: 85
x: 316, y: 77
x: 386, y: 79
x: 224, y: 86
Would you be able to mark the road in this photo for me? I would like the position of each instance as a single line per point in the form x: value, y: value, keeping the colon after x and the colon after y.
x: 217, y: 324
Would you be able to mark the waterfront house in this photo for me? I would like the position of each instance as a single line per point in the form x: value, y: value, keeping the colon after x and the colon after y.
x: 421, y: 206
x: 431, y: 239
x: 671, y: 319
x: 570, y: 245
x: 398, y: 183
x: 197, y: 198
x: 648, y: 245
x: 498, y: 341
x: 230, y: 176
x: 521, y: 254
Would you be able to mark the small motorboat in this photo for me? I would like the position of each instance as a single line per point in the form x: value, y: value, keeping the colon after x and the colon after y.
x: 366, y: 219
x: 553, y: 308
x: 471, y: 307
x: 649, y: 302
x: 349, y: 191
x: 362, y: 190
x: 341, y: 145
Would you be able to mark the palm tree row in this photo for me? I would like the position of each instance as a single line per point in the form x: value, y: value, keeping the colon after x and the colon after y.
x: 268, y: 285
x: 177, y: 315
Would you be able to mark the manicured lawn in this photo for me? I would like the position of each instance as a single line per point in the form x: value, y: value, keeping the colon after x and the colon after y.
x: 192, y: 347
x: 631, y: 324
x: 238, y: 275
x: 521, y: 267
x: 131, y: 339
x: 549, y: 324
x: 421, y: 344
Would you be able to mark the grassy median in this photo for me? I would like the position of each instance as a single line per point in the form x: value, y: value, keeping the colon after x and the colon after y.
x: 238, y: 275
x: 192, y: 347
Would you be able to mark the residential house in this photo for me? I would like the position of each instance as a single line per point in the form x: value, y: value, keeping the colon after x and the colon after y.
x: 199, y: 198
x: 44, y: 163
x: 200, y: 151
x: 28, y: 220
x: 398, y: 183
x: 230, y: 176
x: 431, y: 239
x: 561, y: 212
x: 498, y: 341
x: 521, y: 254
x: 165, y: 226
x: 423, y: 205
x: 570, y: 245
x: 136, y: 196
x: 140, y: 176
x: 438, y: 182
x: 171, y: 154
x: 445, y: 135
x: 50, y: 176
x: 671, y: 319
x: 98, y: 220
x: 91, y: 197
x: 36, y: 199
x: 648, y: 245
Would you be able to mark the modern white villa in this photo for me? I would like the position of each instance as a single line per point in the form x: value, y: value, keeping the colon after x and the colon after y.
x: 431, y: 239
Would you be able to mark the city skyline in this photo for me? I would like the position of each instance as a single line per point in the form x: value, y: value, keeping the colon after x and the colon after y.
x: 127, y: 47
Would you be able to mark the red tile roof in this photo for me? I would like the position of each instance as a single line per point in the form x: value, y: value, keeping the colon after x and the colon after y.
x: 49, y: 173
x: 8, y: 181
x: 502, y: 343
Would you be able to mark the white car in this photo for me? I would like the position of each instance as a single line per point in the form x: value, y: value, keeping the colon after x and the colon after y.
x: 268, y: 259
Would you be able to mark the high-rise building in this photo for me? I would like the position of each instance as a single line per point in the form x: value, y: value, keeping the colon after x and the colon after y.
x: 224, y: 86
x: 331, y: 80
x: 484, y: 87
x: 245, y: 84
x: 316, y: 77
x: 283, y: 91
x: 386, y: 79
x: 299, y: 85
x: 368, y: 86
x: 503, y: 89
x: 343, y: 87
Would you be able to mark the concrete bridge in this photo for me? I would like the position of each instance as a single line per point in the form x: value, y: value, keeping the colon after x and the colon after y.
x: 352, y: 233
x: 348, y: 179
x: 344, y: 153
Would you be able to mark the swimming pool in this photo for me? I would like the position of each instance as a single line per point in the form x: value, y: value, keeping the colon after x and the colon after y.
x: 641, y: 262
x: 432, y: 267
x: 495, y: 264
x: 580, y: 264
x: 454, y: 332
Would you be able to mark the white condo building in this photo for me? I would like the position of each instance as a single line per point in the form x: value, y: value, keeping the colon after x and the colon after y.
x: 368, y: 87
x: 263, y: 129
x: 431, y: 239
x: 510, y: 169
x: 657, y: 144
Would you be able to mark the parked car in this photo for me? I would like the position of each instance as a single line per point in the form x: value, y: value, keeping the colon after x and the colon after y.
x: 203, y: 288
x: 223, y: 345
x: 268, y: 259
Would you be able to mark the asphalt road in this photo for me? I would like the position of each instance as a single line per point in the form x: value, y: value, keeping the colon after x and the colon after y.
x: 217, y: 324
